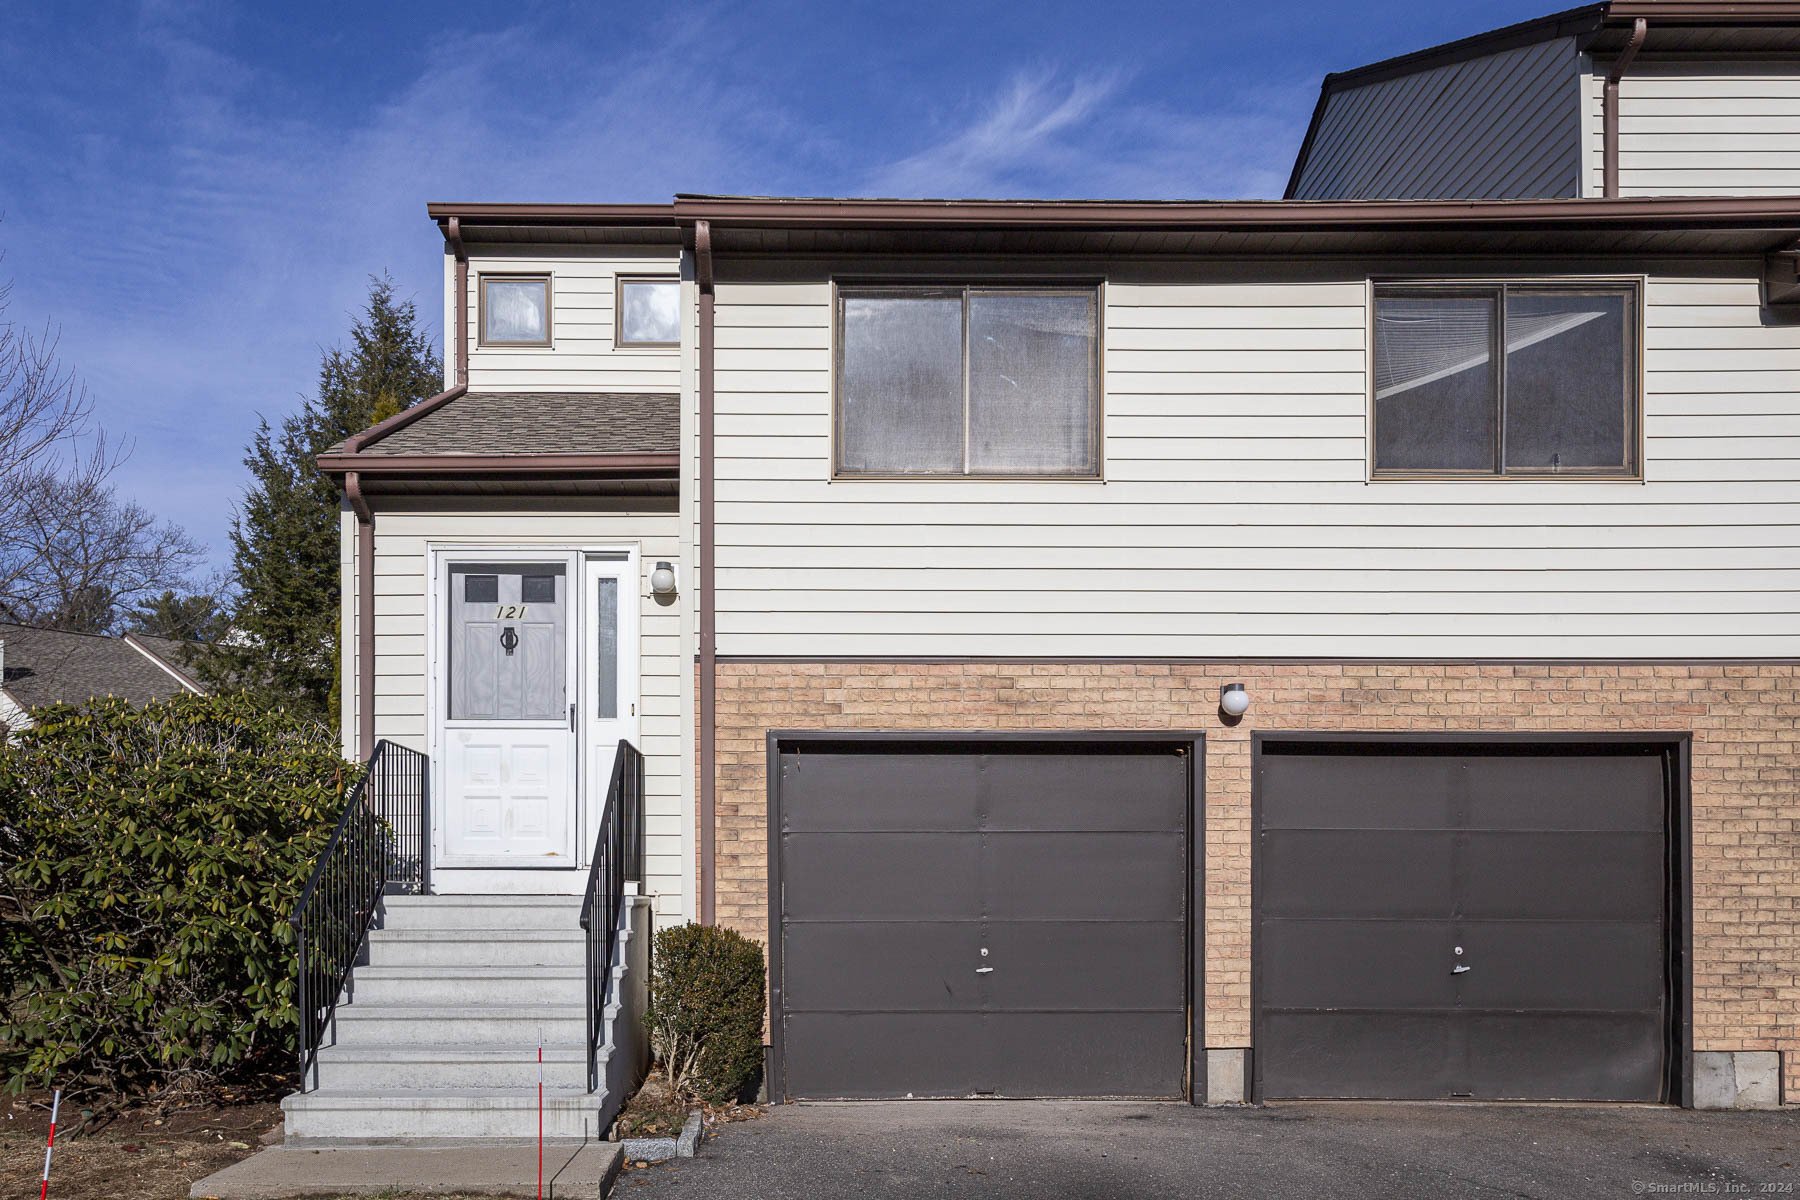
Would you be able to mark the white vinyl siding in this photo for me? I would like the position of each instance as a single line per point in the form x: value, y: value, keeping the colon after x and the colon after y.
x: 1236, y: 518
x: 581, y: 356
x: 404, y: 531
x: 1701, y: 129
x: 1501, y: 125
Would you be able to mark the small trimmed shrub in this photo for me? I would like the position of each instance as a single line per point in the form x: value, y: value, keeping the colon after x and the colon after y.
x: 149, y: 859
x: 707, y: 1000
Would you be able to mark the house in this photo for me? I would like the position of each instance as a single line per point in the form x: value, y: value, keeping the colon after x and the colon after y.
x: 53, y: 666
x: 1342, y: 646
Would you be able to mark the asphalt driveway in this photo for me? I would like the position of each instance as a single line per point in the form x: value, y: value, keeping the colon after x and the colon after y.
x: 1310, y: 1151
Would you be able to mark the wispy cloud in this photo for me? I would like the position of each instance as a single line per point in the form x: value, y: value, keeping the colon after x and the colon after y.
x: 1044, y: 132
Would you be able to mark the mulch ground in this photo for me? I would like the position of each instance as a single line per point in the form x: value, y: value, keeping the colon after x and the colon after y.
x: 144, y: 1153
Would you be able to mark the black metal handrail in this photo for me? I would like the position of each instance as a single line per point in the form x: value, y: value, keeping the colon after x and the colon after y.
x: 618, y: 856
x: 380, y: 845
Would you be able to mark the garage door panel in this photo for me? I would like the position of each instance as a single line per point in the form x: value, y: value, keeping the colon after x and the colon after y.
x: 1351, y: 791
x: 1586, y: 1056
x: 866, y: 1056
x: 1377, y: 1056
x: 880, y: 876
x: 1089, y: 1054
x: 1094, y: 966
x: 1356, y: 964
x: 1566, y: 791
x: 1549, y: 867
x: 1091, y: 876
x: 898, y: 865
x: 1085, y: 792
x: 1592, y: 876
x: 917, y: 965
x: 1402, y: 873
x: 825, y: 792
x: 1598, y: 965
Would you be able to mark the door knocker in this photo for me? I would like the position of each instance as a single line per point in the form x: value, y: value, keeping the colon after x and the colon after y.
x: 509, y: 640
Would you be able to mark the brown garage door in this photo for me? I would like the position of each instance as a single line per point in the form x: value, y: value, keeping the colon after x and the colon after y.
x: 1000, y: 918
x: 1440, y: 920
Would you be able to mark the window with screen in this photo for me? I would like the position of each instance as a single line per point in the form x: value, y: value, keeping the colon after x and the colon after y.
x: 968, y: 381
x: 515, y: 310
x: 1510, y: 379
x: 649, y: 312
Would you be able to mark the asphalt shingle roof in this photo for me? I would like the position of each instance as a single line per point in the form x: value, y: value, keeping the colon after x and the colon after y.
x: 43, y: 666
x: 542, y: 423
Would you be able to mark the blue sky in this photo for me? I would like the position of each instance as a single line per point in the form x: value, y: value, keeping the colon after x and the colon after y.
x: 195, y: 193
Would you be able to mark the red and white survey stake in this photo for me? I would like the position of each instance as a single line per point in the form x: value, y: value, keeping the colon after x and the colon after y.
x: 55, y: 1107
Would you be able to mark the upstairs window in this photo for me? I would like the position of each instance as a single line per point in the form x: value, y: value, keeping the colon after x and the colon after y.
x: 1509, y: 379
x: 515, y: 310
x: 649, y: 312
x: 968, y: 381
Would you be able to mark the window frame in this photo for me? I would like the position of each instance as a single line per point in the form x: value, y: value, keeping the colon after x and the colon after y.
x: 481, y: 303
x: 619, y: 282
x: 1497, y: 287
x: 1094, y: 289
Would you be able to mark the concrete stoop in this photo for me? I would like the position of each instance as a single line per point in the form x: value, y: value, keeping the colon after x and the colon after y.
x: 436, y: 1036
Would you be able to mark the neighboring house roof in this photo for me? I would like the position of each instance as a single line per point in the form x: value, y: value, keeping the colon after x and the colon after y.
x: 46, y: 666
x: 1674, y: 26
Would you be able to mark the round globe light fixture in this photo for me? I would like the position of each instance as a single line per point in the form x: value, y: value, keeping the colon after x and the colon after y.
x: 662, y: 579
x: 1234, y: 700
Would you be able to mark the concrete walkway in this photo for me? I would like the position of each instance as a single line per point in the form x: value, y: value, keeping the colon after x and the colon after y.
x: 1311, y: 1151
x: 584, y: 1171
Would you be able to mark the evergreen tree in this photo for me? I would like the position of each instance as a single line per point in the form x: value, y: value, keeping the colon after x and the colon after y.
x: 284, y: 638
x: 185, y: 617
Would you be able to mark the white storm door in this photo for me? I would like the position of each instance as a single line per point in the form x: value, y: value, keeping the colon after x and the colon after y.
x: 508, y: 737
x: 609, y: 673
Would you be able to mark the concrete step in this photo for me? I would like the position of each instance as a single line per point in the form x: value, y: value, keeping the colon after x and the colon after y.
x: 400, y: 1114
x: 476, y: 948
x: 474, y: 986
x: 377, y: 1069
x: 503, y: 913
x: 458, y: 1024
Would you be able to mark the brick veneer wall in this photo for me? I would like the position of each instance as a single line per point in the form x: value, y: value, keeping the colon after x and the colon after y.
x: 1745, y: 721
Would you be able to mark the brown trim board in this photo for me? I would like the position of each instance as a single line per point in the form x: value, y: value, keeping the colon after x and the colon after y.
x: 1242, y: 660
x: 504, y: 465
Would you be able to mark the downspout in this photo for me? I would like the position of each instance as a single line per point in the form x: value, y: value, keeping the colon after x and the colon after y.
x: 365, y: 614
x: 453, y: 239
x: 1609, y: 109
x: 703, y: 276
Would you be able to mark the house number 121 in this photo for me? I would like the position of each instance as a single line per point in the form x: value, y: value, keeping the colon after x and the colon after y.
x: 510, y: 612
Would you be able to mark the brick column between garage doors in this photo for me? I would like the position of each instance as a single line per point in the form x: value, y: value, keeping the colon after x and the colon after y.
x: 1745, y: 722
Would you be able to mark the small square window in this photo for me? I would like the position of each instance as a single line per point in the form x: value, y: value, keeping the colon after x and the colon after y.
x: 481, y: 589
x: 515, y: 310
x: 649, y: 312
x: 537, y: 589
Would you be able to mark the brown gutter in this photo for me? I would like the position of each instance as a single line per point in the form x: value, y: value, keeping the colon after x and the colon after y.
x: 501, y: 464
x: 709, y: 646
x: 554, y: 214
x: 1609, y: 108
x: 1582, y: 213
x: 453, y: 239
x: 365, y: 616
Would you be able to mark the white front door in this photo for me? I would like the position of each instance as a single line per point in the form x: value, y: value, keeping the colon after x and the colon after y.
x: 609, y: 673
x: 509, y: 723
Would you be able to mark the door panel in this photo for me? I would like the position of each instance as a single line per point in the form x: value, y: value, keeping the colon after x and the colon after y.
x: 507, y: 772
x: 1437, y: 921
